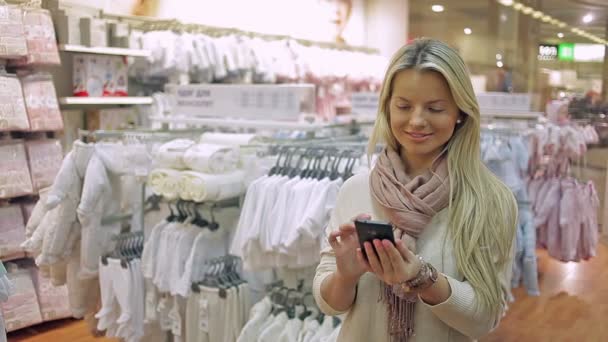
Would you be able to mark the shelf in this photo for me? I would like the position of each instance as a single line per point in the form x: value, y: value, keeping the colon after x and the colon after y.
x: 20, y: 255
x: 104, y: 50
x: 132, y: 100
x: 244, y: 123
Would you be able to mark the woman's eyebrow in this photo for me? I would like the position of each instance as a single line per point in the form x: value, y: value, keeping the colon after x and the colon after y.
x: 427, y: 102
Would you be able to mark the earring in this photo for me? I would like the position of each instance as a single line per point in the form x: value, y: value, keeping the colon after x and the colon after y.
x: 458, y: 122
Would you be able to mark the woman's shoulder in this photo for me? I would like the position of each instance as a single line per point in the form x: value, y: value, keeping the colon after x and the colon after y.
x: 355, y: 197
x: 357, y: 183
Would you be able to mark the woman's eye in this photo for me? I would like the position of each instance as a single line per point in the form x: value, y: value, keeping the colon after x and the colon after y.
x: 403, y: 107
x: 435, y: 110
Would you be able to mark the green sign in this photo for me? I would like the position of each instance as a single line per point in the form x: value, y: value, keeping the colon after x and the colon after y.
x: 565, y: 52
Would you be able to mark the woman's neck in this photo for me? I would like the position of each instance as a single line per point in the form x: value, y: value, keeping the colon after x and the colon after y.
x: 416, y: 164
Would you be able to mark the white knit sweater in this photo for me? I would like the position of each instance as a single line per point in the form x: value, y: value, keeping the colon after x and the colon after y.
x: 453, y: 320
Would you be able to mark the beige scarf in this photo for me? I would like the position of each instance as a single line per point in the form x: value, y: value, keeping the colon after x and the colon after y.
x: 410, y: 204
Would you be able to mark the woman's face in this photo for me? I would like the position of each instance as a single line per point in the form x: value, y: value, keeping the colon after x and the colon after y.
x: 423, y: 113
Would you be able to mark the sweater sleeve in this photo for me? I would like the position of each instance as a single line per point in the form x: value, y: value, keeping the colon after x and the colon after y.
x: 327, y: 265
x: 460, y: 311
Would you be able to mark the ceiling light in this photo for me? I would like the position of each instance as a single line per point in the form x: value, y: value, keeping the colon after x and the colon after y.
x: 560, y: 35
x: 506, y: 2
x: 499, y: 64
x: 562, y: 94
x: 503, y: 17
x: 518, y: 6
x: 527, y: 10
x: 561, y: 24
x: 498, y: 56
x: 588, y: 18
x: 437, y: 8
x: 554, y: 21
x: 537, y: 14
x: 467, y: 31
x: 546, y: 18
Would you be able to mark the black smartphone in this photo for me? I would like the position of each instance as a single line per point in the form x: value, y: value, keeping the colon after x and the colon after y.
x: 368, y: 230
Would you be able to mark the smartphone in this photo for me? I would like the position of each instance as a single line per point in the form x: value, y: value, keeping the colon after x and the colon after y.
x: 368, y: 230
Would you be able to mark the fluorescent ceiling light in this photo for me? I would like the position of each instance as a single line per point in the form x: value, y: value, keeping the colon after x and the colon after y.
x: 437, y: 8
x: 467, y: 31
x: 527, y: 10
x: 537, y: 14
x: 506, y: 2
x: 518, y: 6
x: 561, y: 24
x: 498, y: 56
x: 499, y: 64
x: 588, y: 18
x: 560, y: 35
x: 546, y: 18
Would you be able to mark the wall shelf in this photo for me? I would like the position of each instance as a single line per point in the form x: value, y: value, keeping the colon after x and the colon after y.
x: 130, y: 100
x: 104, y: 50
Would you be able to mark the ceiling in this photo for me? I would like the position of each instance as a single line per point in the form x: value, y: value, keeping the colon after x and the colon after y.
x: 474, y: 13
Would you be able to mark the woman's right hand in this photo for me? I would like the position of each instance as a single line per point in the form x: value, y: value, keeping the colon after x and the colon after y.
x: 345, y: 249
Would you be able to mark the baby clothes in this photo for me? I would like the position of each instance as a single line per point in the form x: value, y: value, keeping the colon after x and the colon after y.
x: 14, y: 171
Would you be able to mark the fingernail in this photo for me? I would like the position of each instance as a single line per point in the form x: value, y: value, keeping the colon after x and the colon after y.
x: 377, y: 243
x: 386, y: 243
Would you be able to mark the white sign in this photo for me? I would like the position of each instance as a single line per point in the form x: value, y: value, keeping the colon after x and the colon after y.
x: 271, y: 102
x: 365, y: 103
x: 589, y: 52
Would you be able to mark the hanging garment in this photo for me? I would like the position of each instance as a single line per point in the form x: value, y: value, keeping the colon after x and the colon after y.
x: 524, y: 264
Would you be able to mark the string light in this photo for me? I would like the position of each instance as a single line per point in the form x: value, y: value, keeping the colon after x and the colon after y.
x: 587, y: 18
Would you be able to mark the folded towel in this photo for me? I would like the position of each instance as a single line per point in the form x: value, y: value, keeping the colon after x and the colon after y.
x: 211, y: 158
x: 200, y: 187
x: 231, y: 139
x: 165, y: 182
x: 171, y: 154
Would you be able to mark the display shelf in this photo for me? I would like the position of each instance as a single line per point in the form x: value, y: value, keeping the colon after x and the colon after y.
x: 243, y: 123
x: 20, y: 255
x: 132, y: 100
x: 104, y: 50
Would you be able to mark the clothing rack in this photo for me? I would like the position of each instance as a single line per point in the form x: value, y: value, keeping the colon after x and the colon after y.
x: 155, y: 24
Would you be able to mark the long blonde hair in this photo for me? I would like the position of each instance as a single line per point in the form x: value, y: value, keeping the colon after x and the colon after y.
x: 482, y: 210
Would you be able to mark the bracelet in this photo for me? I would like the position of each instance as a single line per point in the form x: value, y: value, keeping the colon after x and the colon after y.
x: 426, y: 277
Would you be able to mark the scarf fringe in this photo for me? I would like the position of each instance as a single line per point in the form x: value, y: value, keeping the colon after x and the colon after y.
x: 400, y: 314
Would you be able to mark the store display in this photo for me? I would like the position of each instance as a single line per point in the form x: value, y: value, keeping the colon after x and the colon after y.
x: 14, y: 171
x: 22, y: 308
x: 6, y: 290
x: 12, y: 32
x: 235, y: 58
x: 100, y: 75
x: 41, y: 103
x: 45, y: 157
x: 113, y: 119
x: 13, y: 114
x: 52, y: 299
x: 93, y: 32
x: 119, y: 35
x: 284, y: 214
x: 12, y: 231
x: 40, y: 37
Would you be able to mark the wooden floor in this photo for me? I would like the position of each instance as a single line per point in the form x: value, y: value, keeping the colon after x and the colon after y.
x: 573, y: 307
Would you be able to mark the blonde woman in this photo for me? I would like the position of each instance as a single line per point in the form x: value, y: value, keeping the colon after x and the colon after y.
x: 445, y: 278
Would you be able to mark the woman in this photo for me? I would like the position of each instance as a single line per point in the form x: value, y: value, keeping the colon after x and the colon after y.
x: 445, y: 279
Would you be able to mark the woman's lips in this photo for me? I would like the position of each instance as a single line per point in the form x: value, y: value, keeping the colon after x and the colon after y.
x: 418, y: 137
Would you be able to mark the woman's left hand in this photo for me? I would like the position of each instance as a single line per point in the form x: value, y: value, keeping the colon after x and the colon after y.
x: 393, y: 264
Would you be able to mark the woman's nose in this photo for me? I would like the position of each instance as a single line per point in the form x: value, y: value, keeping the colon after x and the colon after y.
x: 417, y: 118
